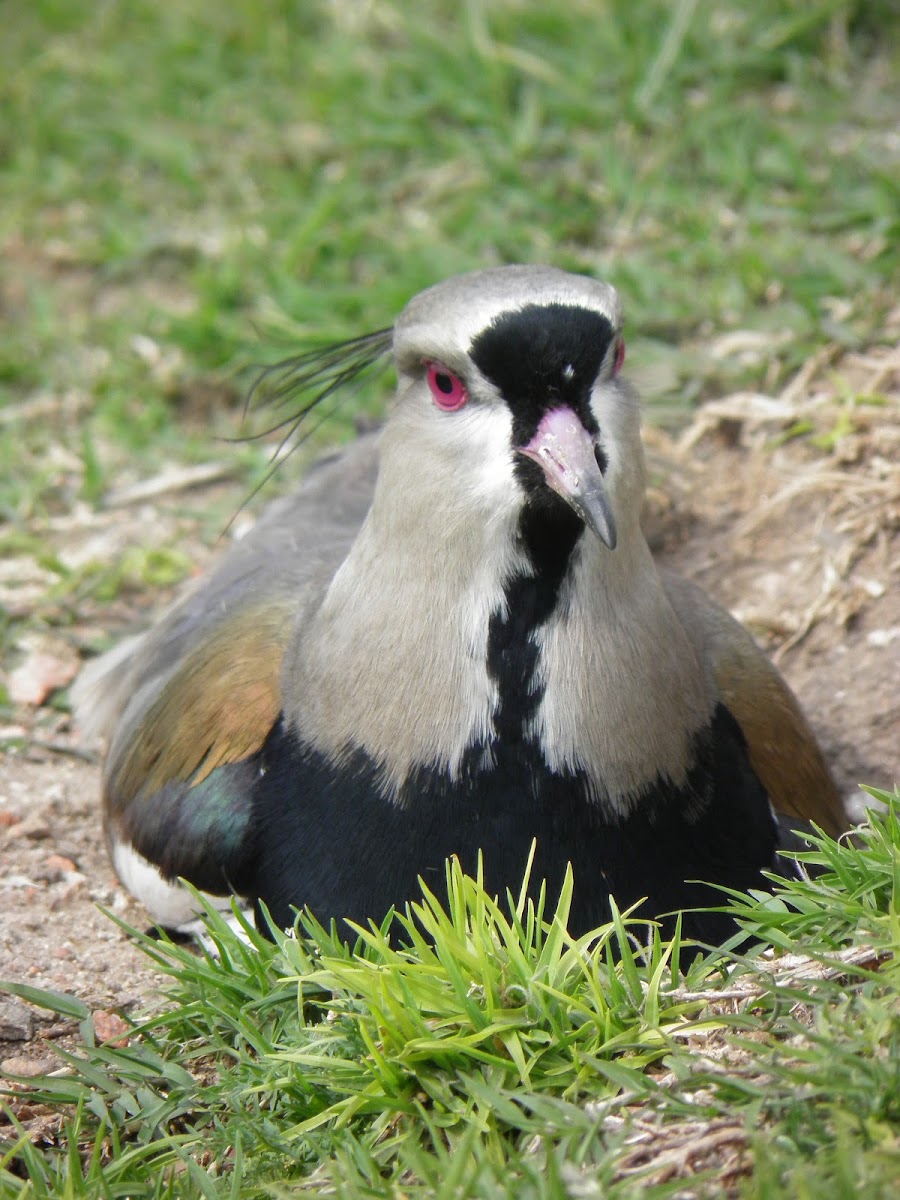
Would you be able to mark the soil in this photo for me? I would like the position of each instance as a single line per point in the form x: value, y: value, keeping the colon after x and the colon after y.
x: 785, y: 508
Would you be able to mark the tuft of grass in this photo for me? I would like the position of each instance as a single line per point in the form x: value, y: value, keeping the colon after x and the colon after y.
x: 472, y: 1048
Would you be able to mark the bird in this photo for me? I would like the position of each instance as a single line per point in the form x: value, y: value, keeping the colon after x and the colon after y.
x: 452, y: 641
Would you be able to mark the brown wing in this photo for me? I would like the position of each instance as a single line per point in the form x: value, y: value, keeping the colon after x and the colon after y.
x: 186, y: 705
x: 783, y: 749
x: 216, y: 707
x: 180, y: 775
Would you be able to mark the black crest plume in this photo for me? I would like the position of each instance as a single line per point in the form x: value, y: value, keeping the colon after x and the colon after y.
x: 297, y: 386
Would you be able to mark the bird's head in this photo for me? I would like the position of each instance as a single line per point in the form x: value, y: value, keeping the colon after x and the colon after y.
x: 510, y: 389
x: 509, y: 401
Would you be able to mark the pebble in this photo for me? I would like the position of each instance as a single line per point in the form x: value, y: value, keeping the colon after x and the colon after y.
x: 33, y: 827
x: 16, y: 1021
x: 18, y: 881
x: 58, y: 862
x: 30, y: 1067
x: 109, y: 1027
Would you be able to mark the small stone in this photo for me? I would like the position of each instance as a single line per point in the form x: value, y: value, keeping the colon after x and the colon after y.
x: 16, y: 1021
x: 69, y: 852
x: 18, y: 881
x: 29, y: 1067
x: 57, y: 867
x: 50, y: 663
x: 109, y: 1027
x: 33, y: 827
x: 8, y: 818
x: 58, y: 862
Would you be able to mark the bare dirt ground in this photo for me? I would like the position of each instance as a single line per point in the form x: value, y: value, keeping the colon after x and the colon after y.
x: 786, y: 508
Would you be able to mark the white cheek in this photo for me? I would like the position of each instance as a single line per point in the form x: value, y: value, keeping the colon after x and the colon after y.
x: 617, y: 412
x: 467, y: 453
x: 485, y: 439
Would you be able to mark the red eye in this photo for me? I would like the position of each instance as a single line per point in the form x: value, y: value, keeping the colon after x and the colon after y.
x: 620, y: 357
x: 448, y: 390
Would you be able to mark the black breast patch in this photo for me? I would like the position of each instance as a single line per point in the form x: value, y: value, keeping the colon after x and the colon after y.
x: 326, y: 837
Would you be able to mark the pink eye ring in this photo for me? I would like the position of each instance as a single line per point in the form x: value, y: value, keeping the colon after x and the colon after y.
x: 448, y: 390
x: 620, y: 357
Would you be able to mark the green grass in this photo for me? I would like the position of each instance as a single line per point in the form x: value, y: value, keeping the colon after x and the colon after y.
x: 476, y: 1050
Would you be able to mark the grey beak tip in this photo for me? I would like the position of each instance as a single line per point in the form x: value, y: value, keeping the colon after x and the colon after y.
x: 607, y: 535
x: 596, y: 512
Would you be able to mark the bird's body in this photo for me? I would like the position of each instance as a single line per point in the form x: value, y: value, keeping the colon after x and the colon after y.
x: 453, y: 640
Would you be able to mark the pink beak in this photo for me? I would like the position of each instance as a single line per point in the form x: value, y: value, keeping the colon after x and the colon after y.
x: 564, y: 450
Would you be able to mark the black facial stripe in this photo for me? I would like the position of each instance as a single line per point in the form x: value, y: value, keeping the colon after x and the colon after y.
x: 542, y: 356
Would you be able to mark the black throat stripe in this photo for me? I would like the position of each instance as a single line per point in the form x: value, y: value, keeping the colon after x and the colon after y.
x: 549, y: 535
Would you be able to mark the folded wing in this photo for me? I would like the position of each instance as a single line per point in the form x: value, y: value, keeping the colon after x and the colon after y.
x: 782, y: 748
x: 188, y: 705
